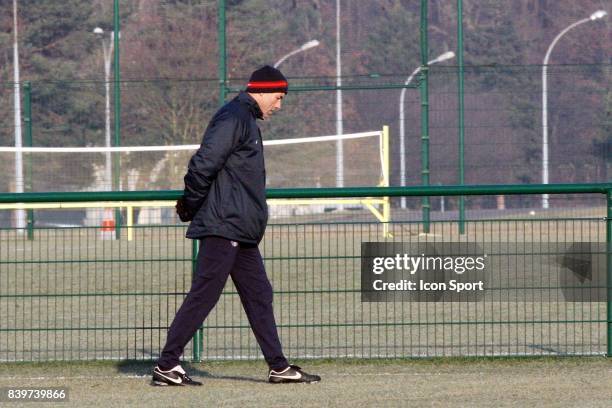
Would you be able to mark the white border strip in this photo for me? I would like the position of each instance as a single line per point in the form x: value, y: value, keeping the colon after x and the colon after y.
x: 97, y: 149
x: 125, y: 149
x: 321, y: 138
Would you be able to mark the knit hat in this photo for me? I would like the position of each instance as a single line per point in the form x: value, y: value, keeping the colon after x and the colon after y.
x: 267, y: 79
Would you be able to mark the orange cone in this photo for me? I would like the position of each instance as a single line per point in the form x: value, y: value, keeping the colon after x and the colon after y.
x: 108, y: 226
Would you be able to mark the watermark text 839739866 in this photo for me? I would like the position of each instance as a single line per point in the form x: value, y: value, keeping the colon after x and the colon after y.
x: 33, y: 394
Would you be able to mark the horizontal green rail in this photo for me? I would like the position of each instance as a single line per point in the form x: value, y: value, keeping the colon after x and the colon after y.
x: 310, y: 325
x: 510, y: 189
x: 306, y: 88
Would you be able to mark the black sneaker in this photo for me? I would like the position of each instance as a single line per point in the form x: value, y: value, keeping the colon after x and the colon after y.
x: 292, y: 374
x: 174, y: 376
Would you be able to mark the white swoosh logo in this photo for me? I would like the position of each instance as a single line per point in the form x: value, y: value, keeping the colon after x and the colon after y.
x: 296, y: 376
x: 174, y: 380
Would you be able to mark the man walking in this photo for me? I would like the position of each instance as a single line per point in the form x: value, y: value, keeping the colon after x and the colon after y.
x: 225, y: 200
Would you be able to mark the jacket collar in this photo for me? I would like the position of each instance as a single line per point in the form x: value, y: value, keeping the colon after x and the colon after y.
x: 246, y: 99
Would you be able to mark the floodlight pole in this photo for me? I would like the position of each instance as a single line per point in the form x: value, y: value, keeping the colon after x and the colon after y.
x: 117, y: 92
x: 20, y: 221
x: 107, y: 51
x: 339, y: 124
x: 595, y: 16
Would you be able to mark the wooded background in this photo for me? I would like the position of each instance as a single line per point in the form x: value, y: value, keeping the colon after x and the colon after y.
x: 169, y: 69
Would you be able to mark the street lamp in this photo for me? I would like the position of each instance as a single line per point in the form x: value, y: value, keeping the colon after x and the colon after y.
x: 595, y: 16
x: 304, y: 47
x: 20, y: 221
x: 443, y: 57
x: 108, y: 52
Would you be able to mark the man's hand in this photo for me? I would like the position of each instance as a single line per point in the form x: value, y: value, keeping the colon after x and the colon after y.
x: 181, y: 209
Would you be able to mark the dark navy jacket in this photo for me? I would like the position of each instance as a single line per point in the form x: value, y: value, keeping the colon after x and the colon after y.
x: 225, y: 184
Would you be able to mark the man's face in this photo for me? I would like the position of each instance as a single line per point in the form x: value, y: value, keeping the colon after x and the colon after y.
x: 269, y: 103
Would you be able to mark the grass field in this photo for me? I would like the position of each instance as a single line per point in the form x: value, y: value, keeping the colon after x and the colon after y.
x: 542, y: 382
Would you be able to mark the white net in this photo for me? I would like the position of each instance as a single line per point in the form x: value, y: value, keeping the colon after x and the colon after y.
x: 312, y: 162
x: 300, y: 162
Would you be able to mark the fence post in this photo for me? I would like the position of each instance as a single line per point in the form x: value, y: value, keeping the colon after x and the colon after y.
x: 221, y: 39
x: 424, y: 82
x: 461, y: 113
x: 609, y: 268
x: 198, y: 337
x: 27, y: 87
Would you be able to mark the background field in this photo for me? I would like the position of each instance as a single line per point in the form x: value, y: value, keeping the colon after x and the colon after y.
x: 583, y: 382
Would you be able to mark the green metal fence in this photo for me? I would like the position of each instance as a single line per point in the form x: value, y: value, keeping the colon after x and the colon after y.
x: 68, y: 294
x: 500, y: 113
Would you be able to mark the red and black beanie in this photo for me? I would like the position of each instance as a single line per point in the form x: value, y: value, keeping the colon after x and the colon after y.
x: 267, y: 79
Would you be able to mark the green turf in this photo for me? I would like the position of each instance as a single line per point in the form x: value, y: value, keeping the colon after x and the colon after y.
x: 583, y: 382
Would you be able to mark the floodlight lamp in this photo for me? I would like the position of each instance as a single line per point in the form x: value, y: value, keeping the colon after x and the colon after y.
x: 442, y: 57
x: 309, y: 44
x: 446, y: 56
x: 598, y: 14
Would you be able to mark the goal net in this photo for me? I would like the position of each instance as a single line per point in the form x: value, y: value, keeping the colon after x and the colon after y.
x: 290, y: 163
x: 309, y: 162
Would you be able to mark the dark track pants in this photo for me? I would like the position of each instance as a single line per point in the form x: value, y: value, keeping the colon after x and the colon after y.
x: 219, y: 258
